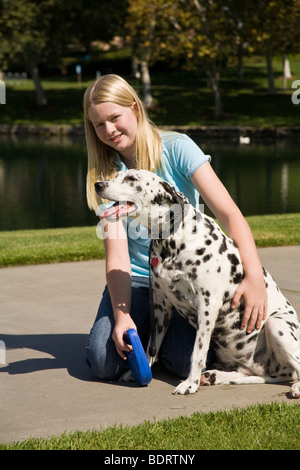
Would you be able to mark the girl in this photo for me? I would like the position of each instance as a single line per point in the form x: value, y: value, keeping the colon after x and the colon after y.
x: 120, y: 136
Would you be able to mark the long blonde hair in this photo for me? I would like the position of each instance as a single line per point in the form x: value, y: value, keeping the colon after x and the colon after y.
x: 102, y: 159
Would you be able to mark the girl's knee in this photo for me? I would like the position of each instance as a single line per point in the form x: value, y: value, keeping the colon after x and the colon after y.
x: 105, y: 366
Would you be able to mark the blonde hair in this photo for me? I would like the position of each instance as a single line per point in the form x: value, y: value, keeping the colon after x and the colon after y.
x: 102, y: 159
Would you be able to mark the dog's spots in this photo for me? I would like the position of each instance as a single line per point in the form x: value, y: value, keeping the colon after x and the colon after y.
x: 238, y: 278
x: 204, y: 271
x: 130, y: 178
x: 193, y: 274
x: 233, y: 259
x: 223, y: 246
x: 172, y: 244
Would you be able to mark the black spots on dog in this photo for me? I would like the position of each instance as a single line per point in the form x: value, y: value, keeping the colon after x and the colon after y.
x: 207, y: 258
x: 293, y: 327
x: 213, y: 378
x: 158, y: 199
x: 131, y: 178
x: 158, y: 307
x: 193, y: 274
x: 223, y: 246
x: 233, y: 259
x: 200, y: 252
x: 208, y: 242
x: 236, y: 325
x: 239, y: 346
x: 253, y: 337
x: 179, y: 296
x: 165, y: 252
x: 172, y: 244
x: 280, y: 333
x: 237, y: 279
x: 212, y: 226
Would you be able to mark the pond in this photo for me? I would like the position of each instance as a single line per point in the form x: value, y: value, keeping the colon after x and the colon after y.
x: 42, y: 181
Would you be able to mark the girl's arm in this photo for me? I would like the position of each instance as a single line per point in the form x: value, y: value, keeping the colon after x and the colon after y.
x: 252, y: 288
x: 118, y: 276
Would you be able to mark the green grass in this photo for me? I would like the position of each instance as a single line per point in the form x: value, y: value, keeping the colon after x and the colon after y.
x: 24, y: 247
x: 275, y: 230
x: 182, y: 99
x: 275, y: 426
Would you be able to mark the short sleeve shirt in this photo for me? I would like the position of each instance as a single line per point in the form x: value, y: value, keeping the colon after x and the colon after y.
x: 180, y: 159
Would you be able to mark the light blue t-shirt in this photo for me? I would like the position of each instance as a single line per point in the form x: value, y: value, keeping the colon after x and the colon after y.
x: 180, y: 159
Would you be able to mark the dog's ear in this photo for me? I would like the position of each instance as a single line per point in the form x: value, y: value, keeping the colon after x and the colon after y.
x: 174, y: 195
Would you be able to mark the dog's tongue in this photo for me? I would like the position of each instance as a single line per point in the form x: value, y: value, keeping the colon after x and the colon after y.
x: 117, y: 210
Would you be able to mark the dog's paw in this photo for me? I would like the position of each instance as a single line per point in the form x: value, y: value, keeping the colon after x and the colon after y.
x: 186, y: 387
x: 208, y: 378
x: 126, y: 377
x: 295, y: 390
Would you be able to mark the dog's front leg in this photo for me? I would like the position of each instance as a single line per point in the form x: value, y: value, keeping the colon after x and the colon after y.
x: 198, y: 358
x: 162, y: 314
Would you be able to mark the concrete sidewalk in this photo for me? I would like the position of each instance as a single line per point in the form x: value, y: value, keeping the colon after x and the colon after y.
x: 46, y: 387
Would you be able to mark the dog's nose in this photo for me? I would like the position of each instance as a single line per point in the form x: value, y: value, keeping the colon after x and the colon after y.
x: 99, y: 185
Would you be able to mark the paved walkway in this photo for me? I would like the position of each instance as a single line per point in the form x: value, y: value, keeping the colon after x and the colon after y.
x: 46, y: 387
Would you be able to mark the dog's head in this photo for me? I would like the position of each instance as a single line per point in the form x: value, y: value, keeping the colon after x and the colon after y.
x: 139, y: 193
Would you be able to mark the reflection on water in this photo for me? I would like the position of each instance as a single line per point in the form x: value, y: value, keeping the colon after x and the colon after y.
x: 42, y: 182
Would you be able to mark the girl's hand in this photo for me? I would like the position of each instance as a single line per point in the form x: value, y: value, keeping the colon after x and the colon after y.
x: 121, y: 326
x: 256, y: 302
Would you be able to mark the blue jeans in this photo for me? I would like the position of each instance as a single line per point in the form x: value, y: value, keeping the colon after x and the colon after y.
x: 101, y: 354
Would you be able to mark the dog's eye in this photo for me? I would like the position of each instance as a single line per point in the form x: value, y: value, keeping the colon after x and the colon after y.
x: 130, y: 178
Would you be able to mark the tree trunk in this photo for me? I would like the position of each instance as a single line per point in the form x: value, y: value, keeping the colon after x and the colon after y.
x: 146, y: 81
x: 135, y: 67
x: 286, y: 71
x: 271, y: 84
x: 240, y: 74
x: 40, y: 93
x: 215, y: 84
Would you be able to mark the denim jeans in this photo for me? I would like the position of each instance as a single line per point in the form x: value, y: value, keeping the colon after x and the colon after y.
x: 101, y: 354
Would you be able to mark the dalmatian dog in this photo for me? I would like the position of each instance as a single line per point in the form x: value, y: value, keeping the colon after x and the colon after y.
x: 196, y: 269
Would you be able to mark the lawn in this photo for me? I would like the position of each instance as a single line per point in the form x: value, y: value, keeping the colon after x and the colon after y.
x: 24, y: 247
x: 181, y: 97
x: 274, y: 426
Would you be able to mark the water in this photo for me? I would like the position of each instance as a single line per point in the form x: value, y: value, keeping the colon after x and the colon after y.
x: 42, y: 181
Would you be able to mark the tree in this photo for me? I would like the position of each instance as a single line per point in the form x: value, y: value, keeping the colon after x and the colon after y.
x: 275, y: 29
x: 36, y: 32
x: 205, y: 38
x: 33, y: 32
x: 151, y: 26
